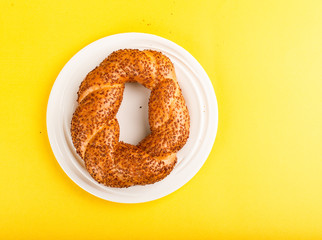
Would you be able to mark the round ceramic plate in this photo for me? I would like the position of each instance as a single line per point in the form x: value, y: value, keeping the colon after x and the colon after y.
x: 197, y: 91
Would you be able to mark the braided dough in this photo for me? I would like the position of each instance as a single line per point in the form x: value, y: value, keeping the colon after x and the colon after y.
x: 95, y: 130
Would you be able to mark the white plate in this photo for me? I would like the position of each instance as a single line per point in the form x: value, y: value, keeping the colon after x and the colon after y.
x: 198, y: 93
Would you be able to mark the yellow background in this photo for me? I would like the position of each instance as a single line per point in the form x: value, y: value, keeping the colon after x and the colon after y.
x: 263, y: 178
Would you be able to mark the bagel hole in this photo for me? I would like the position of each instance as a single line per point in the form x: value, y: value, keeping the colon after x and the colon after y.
x: 133, y: 115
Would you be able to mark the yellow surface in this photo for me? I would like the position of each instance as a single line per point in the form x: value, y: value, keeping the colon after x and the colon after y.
x: 263, y: 178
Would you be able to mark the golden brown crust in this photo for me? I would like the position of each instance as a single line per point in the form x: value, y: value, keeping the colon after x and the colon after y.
x: 95, y: 130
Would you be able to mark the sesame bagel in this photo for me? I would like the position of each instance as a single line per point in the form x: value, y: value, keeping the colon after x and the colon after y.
x: 95, y: 129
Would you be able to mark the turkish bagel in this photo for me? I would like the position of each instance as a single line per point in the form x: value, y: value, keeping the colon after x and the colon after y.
x: 95, y: 129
